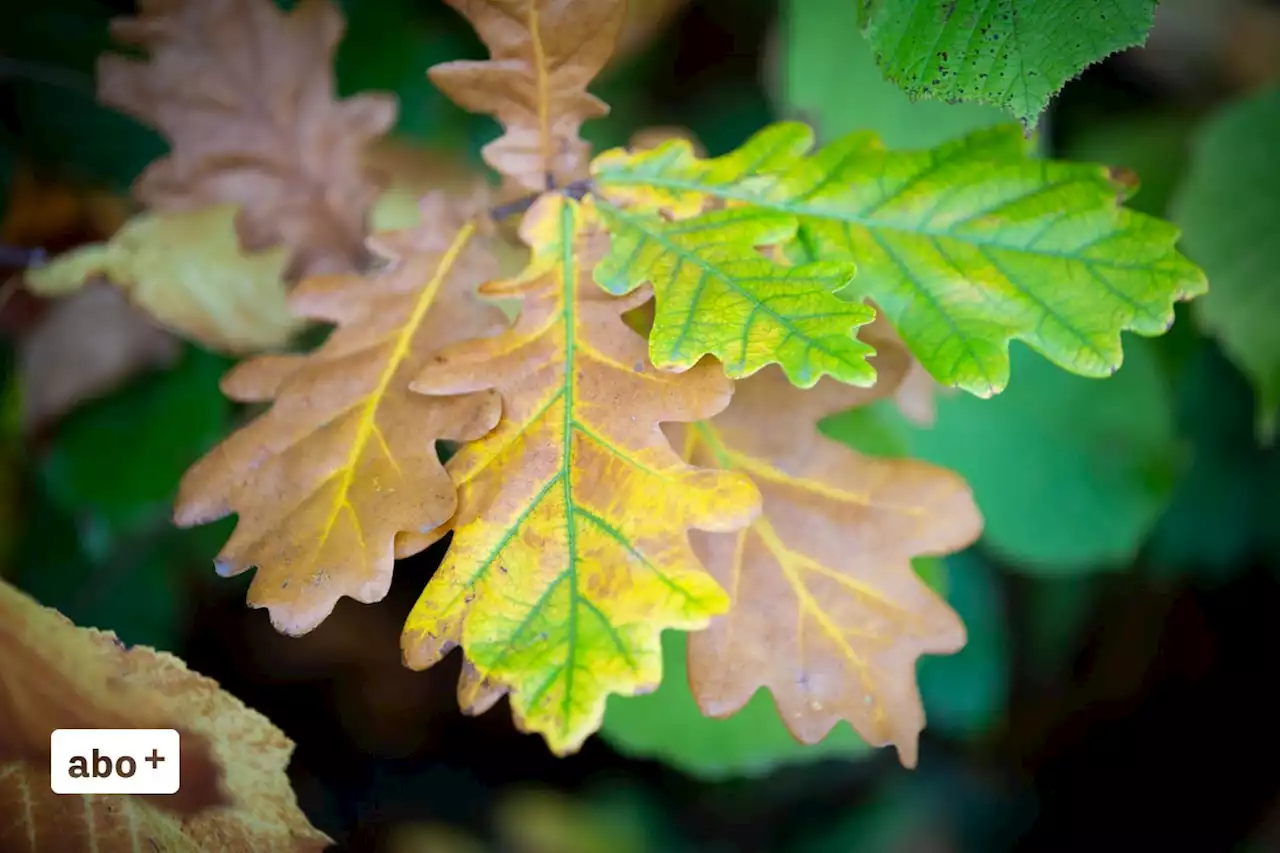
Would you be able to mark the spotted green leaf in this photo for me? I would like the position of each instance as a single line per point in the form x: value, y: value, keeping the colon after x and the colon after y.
x: 1015, y: 54
x: 964, y: 247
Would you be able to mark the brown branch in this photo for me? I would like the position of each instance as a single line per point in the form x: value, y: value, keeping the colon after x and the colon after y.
x: 574, y: 190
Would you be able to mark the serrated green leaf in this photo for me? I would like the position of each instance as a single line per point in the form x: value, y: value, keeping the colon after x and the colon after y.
x: 831, y: 81
x: 715, y: 294
x: 1229, y: 209
x: 667, y: 724
x: 1015, y: 54
x: 964, y: 247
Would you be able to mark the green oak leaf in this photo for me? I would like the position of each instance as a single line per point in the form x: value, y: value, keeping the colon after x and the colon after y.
x: 1015, y: 54
x: 964, y: 247
x: 714, y: 293
x: 1229, y: 210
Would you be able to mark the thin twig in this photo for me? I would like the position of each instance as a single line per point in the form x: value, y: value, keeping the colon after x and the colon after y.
x: 21, y: 257
x: 574, y: 190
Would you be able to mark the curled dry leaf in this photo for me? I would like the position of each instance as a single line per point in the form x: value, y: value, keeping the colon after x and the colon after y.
x: 235, y: 795
x: 827, y: 612
x: 244, y: 93
x: 570, y: 552
x: 188, y: 271
x: 543, y: 55
x: 340, y: 475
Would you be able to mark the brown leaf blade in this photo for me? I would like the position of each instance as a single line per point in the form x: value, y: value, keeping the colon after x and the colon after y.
x: 61, y: 676
x: 543, y: 55
x: 340, y: 476
x: 827, y: 612
x: 244, y: 93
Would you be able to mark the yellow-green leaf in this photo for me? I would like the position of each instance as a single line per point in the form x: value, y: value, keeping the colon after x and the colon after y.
x: 965, y: 247
x: 570, y: 550
x: 188, y: 271
x: 715, y: 294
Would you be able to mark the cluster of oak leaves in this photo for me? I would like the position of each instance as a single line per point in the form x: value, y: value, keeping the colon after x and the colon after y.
x: 611, y: 479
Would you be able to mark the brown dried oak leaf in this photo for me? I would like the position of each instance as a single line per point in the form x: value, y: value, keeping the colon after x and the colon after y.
x: 244, y: 94
x: 59, y: 676
x: 340, y: 476
x: 543, y: 55
x: 826, y: 610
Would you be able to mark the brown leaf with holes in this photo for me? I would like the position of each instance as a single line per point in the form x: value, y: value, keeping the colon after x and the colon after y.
x: 543, y: 53
x: 244, y: 93
x: 340, y: 476
x: 234, y: 797
x: 827, y: 612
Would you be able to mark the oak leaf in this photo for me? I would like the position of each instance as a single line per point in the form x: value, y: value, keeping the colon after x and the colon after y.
x: 827, y: 612
x: 340, y: 475
x: 235, y: 794
x: 715, y: 295
x: 186, y: 270
x: 570, y: 551
x: 964, y: 247
x: 244, y: 93
x: 543, y: 55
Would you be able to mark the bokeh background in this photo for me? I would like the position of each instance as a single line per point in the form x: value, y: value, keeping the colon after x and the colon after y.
x: 1117, y: 690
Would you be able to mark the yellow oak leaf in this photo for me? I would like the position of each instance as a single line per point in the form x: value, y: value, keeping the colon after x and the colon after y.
x: 186, y: 270
x: 340, y: 475
x: 235, y: 794
x: 570, y: 551
x: 244, y: 93
x: 543, y: 55
x: 827, y: 612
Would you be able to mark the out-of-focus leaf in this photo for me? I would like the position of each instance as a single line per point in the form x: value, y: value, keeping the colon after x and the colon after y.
x: 119, y: 460
x: 666, y: 724
x: 1070, y: 473
x: 188, y: 271
x: 1220, y: 514
x: 1154, y: 146
x: 85, y: 346
x: 966, y: 694
x: 830, y: 78
x: 1229, y: 210
x: 96, y: 578
x: 1015, y: 54
x: 61, y: 676
x: 213, y: 71
x: 388, y: 45
x: 1055, y: 613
